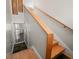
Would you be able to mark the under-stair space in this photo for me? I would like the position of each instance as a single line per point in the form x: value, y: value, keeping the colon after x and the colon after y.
x: 62, y: 56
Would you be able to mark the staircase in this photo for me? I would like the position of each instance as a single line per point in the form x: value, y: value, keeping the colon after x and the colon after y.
x: 56, y: 49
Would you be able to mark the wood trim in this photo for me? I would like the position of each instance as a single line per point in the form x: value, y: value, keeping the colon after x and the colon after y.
x: 14, y: 7
x: 46, y: 29
x: 53, y: 18
x: 49, y: 46
x: 20, y: 5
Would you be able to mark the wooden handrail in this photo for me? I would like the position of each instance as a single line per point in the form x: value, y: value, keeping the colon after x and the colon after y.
x: 53, y: 18
x: 40, y: 22
x: 46, y: 29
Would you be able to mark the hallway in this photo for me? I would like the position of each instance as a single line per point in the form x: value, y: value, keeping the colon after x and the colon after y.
x: 58, y: 30
x: 34, y: 34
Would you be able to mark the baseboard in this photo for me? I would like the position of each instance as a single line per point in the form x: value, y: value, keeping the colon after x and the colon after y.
x: 68, y: 55
x: 36, y: 52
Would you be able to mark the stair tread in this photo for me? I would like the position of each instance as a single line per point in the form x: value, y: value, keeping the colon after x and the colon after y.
x: 56, y: 50
x: 55, y: 41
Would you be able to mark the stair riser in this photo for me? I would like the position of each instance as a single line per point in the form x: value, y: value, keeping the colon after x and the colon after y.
x: 55, y: 44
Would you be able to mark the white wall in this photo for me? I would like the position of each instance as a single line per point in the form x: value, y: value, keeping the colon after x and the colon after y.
x: 29, y: 3
x: 62, y: 10
x: 8, y: 27
x: 8, y: 11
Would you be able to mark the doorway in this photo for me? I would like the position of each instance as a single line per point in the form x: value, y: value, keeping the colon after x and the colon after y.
x: 19, y: 37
